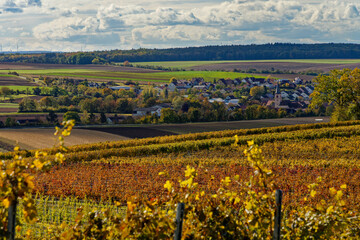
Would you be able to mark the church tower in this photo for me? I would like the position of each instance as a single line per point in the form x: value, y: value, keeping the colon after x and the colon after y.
x: 278, y: 97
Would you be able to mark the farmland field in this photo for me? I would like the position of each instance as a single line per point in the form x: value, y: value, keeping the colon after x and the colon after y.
x: 43, y: 137
x: 134, y: 76
x: 209, y: 70
x: 136, y: 131
x: 296, y: 65
x: 20, y: 88
x: 111, y: 174
x: 14, y: 81
x: 8, y: 105
x: 32, y: 138
x: 191, y: 64
x: 297, y: 155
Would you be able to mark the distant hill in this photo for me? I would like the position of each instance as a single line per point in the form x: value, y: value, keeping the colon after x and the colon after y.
x: 205, y: 53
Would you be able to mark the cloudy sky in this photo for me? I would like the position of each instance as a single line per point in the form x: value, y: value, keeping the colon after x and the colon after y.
x: 72, y: 25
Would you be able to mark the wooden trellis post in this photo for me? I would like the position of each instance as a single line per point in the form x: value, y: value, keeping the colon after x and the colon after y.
x: 277, y: 224
x: 179, y: 220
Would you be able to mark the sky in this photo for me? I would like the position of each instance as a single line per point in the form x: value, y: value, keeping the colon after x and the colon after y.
x: 74, y: 25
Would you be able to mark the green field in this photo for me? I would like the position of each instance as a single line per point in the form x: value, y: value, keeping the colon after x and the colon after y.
x: 20, y: 88
x: 23, y: 113
x: 9, y: 105
x: 179, y: 64
x: 189, y: 64
x: 126, y: 76
x: 6, y: 75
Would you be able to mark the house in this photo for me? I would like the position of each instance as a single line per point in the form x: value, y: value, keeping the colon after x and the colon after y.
x: 200, y: 87
x: 269, y: 96
x: 309, y: 90
x: 220, y: 100
x: 171, y: 87
x: 206, y: 94
x: 93, y: 85
x: 120, y: 88
x: 298, y: 81
x: 197, y: 81
x: 259, y: 81
x: 230, y: 97
x: 233, y: 101
x: 115, y: 119
x: 284, y: 81
x: 140, y: 112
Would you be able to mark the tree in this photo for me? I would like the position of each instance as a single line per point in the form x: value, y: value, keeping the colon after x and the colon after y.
x: 49, y: 101
x: 85, y: 117
x: 92, y: 118
x: 10, y: 122
x: 126, y: 63
x: 177, y: 102
x: 36, y: 91
x: 103, y: 117
x: 48, y: 81
x: 150, y: 102
x: 173, y: 80
x: 5, y: 91
x: 194, y: 114
x: 168, y: 115
x: 27, y: 105
x: 95, y: 61
x: 341, y: 88
x: 72, y: 115
x: 257, y: 92
x: 52, y: 117
x: 55, y: 91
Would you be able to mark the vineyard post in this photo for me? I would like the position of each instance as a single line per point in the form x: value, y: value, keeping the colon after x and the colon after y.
x: 12, y: 220
x: 277, y: 224
x: 179, y: 220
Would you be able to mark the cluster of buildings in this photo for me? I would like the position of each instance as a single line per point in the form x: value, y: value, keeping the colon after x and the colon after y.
x: 290, y: 95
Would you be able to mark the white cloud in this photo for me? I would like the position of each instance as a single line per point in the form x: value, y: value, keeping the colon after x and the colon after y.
x: 18, y: 6
x: 162, y: 23
x: 178, y: 33
x: 64, y: 28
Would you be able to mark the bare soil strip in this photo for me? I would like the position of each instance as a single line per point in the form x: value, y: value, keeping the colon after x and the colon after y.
x: 11, y: 81
x: 143, y: 131
x: 133, y: 132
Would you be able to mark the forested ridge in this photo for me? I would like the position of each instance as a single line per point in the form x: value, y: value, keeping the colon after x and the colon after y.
x: 204, y: 53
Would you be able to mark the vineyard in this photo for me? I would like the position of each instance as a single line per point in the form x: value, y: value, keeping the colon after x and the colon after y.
x: 296, y: 154
x: 297, y: 157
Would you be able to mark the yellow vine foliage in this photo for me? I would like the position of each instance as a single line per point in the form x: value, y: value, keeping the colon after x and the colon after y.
x: 226, y: 212
x: 16, y: 182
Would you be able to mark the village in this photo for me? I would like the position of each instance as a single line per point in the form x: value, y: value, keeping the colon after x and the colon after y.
x: 289, y: 95
x: 193, y: 100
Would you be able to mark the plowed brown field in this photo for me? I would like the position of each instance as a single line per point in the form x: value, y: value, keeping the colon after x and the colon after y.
x: 14, y: 81
x: 105, y: 68
x: 33, y: 138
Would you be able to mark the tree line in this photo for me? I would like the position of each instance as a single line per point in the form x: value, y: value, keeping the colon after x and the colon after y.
x: 204, y: 53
